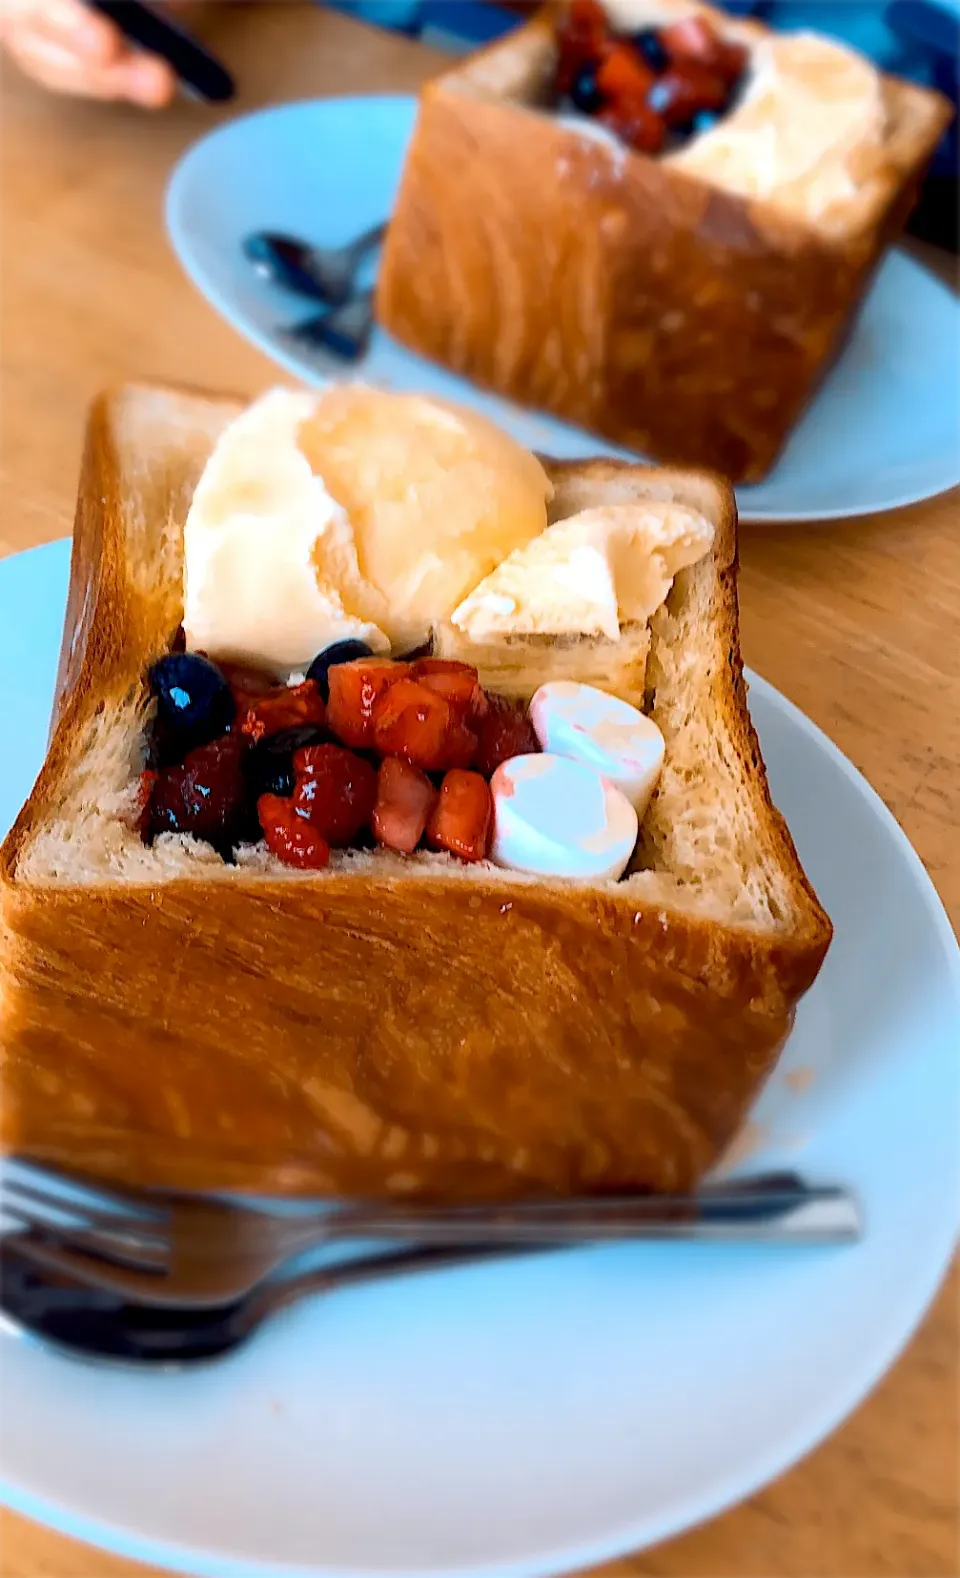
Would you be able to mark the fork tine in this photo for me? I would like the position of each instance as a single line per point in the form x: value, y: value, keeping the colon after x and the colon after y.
x: 91, y: 1272
x: 42, y: 1204
x: 108, y: 1242
x: 70, y: 1211
x: 19, y: 1174
x: 27, y: 1201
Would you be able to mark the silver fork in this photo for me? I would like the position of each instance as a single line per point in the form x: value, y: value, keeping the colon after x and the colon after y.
x: 197, y: 1250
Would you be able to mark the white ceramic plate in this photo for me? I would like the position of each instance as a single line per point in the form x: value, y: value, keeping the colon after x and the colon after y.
x: 881, y: 433
x: 536, y: 1417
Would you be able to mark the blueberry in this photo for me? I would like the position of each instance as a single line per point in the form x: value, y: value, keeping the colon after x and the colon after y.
x: 704, y: 121
x: 194, y: 701
x: 648, y: 44
x: 700, y: 122
x: 269, y: 764
x: 661, y: 96
x: 585, y: 95
x: 340, y: 652
x: 164, y: 746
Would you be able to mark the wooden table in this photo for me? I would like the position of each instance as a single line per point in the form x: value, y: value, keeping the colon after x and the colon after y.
x: 858, y: 623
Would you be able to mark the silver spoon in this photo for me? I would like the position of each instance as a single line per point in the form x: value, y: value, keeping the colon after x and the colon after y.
x: 97, y: 1324
x: 342, y: 332
x: 326, y: 274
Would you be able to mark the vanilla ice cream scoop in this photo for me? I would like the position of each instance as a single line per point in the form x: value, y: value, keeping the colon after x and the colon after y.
x: 355, y: 513
x: 270, y: 566
x: 809, y: 128
x: 437, y: 496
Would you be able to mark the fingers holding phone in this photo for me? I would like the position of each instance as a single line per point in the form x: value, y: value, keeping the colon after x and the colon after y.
x: 70, y: 48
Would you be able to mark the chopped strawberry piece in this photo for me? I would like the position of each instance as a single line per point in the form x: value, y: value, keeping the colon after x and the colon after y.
x: 460, y: 747
x: 405, y: 799
x: 690, y: 38
x: 588, y: 15
x: 681, y: 91
x: 731, y: 62
x: 284, y: 707
x: 290, y: 837
x: 355, y: 689
x: 413, y: 722
x: 249, y: 682
x: 462, y: 820
x: 141, y: 814
x: 624, y: 74
x: 505, y: 731
x: 583, y: 35
x: 336, y: 791
x: 457, y: 683
x: 636, y: 124
x: 693, y: 40
x: 206, y: 796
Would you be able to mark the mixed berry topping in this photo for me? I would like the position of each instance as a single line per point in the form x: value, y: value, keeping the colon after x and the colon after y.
x: 363, y: 751
x: 504, y: 731
x: 336, y: 790
x: 269, y: 765
x: 288, y: 707
x: 339, y: 652
x: 654, y: 89
x: 205, y: 796
x: 462, y: 819
x: 405, y: 800
x: 194, y: 700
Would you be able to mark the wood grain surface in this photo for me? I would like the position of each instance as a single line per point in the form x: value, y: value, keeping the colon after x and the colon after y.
x: 856, y: 622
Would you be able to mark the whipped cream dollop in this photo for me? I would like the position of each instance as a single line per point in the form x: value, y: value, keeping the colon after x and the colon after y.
x: 589, y: 573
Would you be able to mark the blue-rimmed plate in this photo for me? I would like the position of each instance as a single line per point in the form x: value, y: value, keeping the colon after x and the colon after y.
x: 881, y: 433
x: 536, y: 1417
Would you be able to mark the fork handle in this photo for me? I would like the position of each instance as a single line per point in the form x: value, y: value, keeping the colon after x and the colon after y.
x: 821, y: 1215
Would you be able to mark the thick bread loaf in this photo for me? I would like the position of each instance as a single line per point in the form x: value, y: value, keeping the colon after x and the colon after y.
x: 388, y: 1025
x: 620, y: 291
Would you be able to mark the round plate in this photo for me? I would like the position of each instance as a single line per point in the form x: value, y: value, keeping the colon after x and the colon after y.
x: 881, y: 433
x: 540, y: 1416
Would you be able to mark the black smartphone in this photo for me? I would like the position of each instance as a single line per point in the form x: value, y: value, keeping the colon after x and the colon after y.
x: 197, y: 70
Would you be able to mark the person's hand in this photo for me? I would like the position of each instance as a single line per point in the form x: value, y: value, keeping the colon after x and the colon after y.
x: 69, y: 48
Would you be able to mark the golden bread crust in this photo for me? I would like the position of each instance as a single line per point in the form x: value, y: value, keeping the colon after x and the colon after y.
x: 615, y: 290
x: 368, y: 1033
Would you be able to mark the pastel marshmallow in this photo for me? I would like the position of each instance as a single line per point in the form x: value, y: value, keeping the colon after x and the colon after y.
x: 590, y: 726
x: 558, y: 818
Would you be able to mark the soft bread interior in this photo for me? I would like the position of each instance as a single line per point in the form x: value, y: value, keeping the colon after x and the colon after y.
x: 710, y: 843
